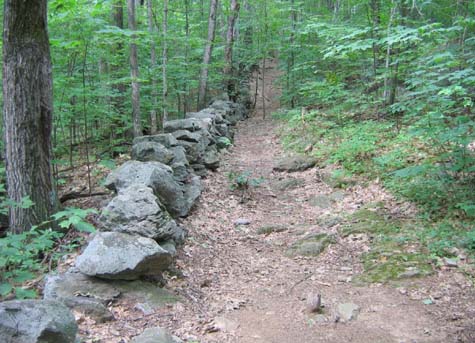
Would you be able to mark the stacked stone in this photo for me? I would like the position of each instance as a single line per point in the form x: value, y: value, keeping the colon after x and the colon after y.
x: 138, y: 233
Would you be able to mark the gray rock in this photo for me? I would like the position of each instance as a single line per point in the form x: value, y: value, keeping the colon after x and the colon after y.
x: 322, y: 201
x: 312, y: 245
x: 242, y: 221
x: 152, y: 151
x: 190, y: 124
x: 290, y: 183
x: 211, y: 158
x: 36, y: 321
x: 195, y: 151
x: 200, y: 169
x: 348, y: 311
x: 174, y: 195
x: 181, y: 172
x: 136, y: 210
x: 188, y: 136
x: 155, y: 335
x: 82, y: 293
x: 232, y: 112
x: 271, y: 228
x: 179, y: 155
x: 114, y: 255
x: 215, y: 116
x: 295, y: 163
x: 146, y: 293
x: 166, y: 139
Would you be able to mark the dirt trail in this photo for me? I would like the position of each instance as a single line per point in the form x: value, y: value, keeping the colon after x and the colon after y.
x: 240, y: 286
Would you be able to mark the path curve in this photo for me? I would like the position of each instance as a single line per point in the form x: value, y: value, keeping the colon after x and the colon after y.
x: 240, y: 285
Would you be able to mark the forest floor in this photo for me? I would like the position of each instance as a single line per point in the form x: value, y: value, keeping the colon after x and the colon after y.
x: 238, y: 283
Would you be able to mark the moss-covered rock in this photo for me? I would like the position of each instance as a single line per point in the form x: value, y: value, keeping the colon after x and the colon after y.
x: 271, y: 228
x: 312, y: 245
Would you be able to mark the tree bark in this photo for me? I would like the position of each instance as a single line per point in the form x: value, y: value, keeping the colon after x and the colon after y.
x: 119, y: 88
x: 153, y: 62
x: 164, y: 62
x: 134, y: 72
x: 207, y: 54
x: 230, y: 84
x: 28, y: 109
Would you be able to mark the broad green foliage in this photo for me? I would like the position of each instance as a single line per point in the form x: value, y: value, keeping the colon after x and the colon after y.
x: 387, y: 92
x: 242, y: 181
x: 25, y: 256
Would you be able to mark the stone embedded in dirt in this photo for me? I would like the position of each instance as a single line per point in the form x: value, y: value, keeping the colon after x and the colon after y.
x: 271, y: 228
x: 337, y: 196
x: 451, y: 262
x: 322, y: 201
x: 290, y: 183
x: 295, y: 164
x: 36, y: 321
x: 242, y: 221
x: 114, y: 255
x: 329, y: 221
x: 136, y: 210
x: 155, y: 335
x: 314, y: 303
x: 223, y: 324
x: 348, y: 311
x: 410, y: 273
x: 147, y: 293
x: 82, y: 293
x: 177, y: 197
x: 312, y: 245
x: 151, y: 151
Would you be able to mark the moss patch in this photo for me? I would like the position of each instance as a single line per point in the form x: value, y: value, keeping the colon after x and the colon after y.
x: 395, y: 251
x: 371, y: 220
x: 385, y: 265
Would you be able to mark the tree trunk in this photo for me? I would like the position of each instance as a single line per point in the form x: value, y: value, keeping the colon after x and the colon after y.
x: 291, y: 62
x: 186, y: 105
x: 387, y: 65
x: 134, y: 72
x: 119, y: 88
x: 164, y: 62
x: 28, y: 109
x: 153, y: 61
x: 207, y: 54
x: 230, y: 84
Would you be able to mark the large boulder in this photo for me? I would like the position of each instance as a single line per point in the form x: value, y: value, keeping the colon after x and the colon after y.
x: 155, y: 335
x: 36, y: 321
x: 190, y: 124
x: 152, y: 151
x: 114, y: 255
x: 136, y: 210
x: 82, y: 293
x: 211, y: 158
x: 166, y: 139
x: 172, y: 194
x: 295, y: 163
x: 233, y: 112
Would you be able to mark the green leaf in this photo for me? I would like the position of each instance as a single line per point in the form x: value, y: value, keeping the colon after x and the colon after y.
x: 84, y: 226
x: 22, y: 276
x: 5, y: 289
x: 22, y: 293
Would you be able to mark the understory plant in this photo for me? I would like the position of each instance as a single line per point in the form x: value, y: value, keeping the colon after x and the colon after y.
x: 25, y: 256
